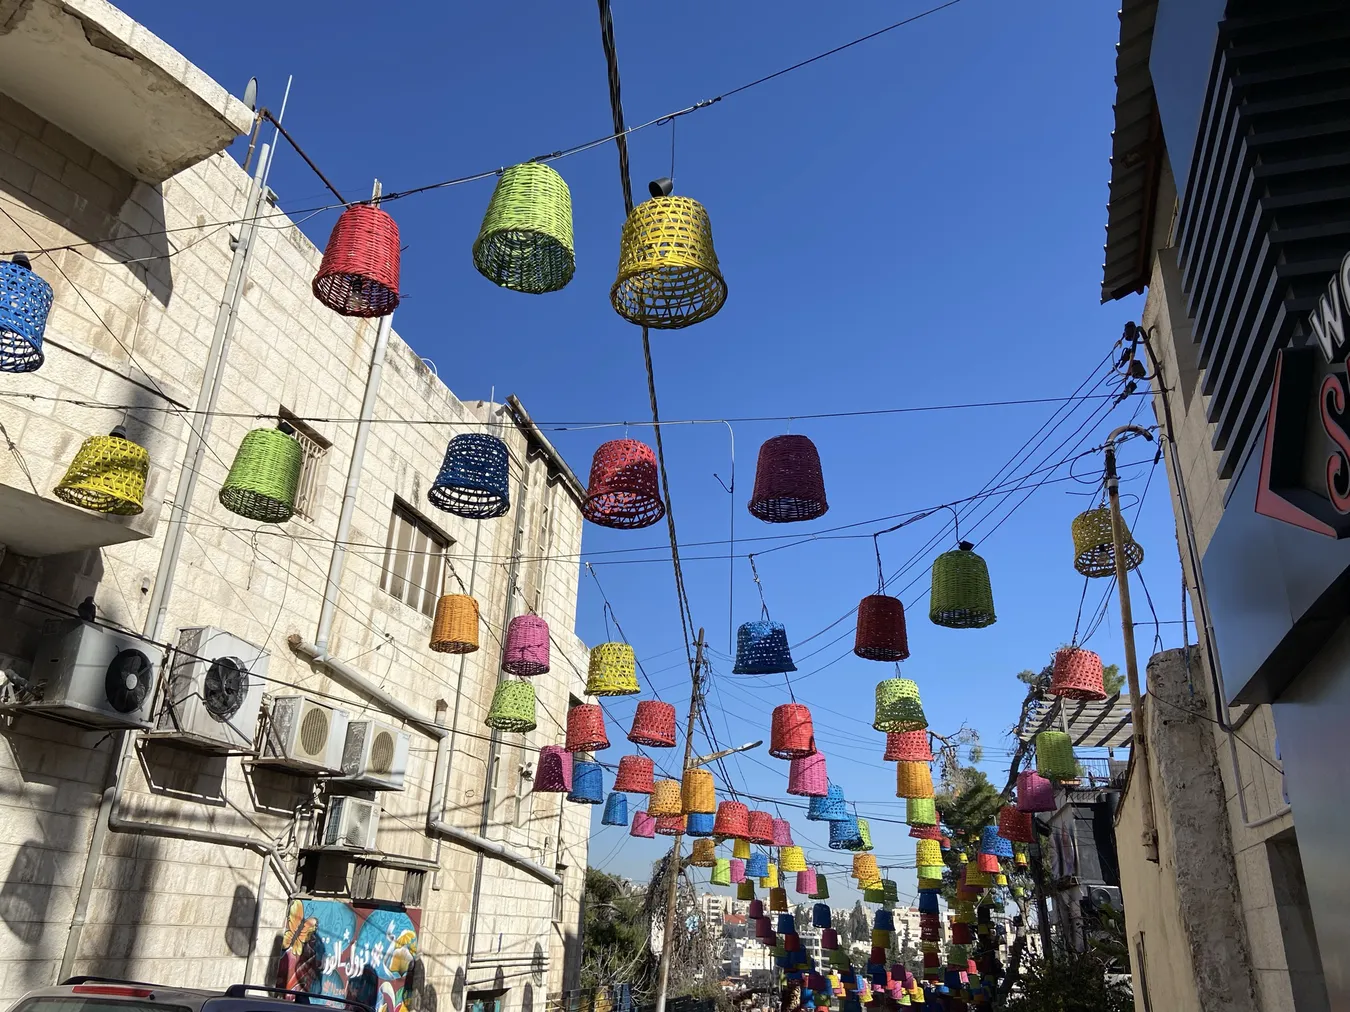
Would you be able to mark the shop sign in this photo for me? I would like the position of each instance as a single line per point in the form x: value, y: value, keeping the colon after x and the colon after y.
x: 1282, y: 492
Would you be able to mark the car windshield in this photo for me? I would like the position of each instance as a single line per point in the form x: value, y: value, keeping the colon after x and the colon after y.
x: 92, y: 1003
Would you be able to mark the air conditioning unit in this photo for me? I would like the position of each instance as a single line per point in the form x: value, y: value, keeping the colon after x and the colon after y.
x: 92, y: 676
x: 304, y: 735
x: 375, y: 756
x: 1103, y: 895
x: 214, y: 692
x: 351, y: 824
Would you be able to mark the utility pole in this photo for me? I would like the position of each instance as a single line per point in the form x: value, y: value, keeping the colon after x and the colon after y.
x: 673, y: 862
x: 1149, y: 834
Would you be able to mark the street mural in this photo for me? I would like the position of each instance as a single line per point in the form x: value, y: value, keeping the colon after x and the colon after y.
x: 346, y: 950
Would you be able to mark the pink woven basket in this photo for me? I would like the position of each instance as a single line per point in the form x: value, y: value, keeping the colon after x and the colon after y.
x: 526, y: 646
x: 737, y: 871
x: 1034, y: 792
x: 807, y: 777
x: 782, y: 833
x: 806, y: 882
x: 554, y: 773
x: 644, y: 825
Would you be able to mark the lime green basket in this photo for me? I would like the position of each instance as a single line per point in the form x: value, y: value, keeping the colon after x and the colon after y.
x: 525, y: 243
x: 264, y: 477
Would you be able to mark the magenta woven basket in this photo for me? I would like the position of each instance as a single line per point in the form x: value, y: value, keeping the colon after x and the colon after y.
x: 555, y: 770
x: 526, y: 646
x: 733, y: 819
x: 653, y: 724
x: 789, y: 485
x: 1034, y: 792
x: 737, y: 871
x: 791, y: 734
x: 806, y: 882
x: 644, y: 825
x: 807, y: 778
x: 782, y: 833
x: 1077, y: 674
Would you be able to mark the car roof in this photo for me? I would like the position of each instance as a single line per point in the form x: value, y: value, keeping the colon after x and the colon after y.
x: 161, y: 994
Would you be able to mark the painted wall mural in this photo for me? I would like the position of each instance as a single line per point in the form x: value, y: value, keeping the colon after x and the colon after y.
x: 356, y: 951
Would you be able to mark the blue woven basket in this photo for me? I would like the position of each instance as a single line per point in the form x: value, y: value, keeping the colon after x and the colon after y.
x: 992, y: 843
x: 829, y: 808
x: 474, y: 481
x: 787, y: 924
x: 25, y: 301
x: 820, y: 916
x: 928, y: 902
x: 762, y: 649
x: 757, y: 866
x: 700, y: 824
x: 883, y: 921
x: 588, y: 783
x: 616, y: 810
x: 844, y: 833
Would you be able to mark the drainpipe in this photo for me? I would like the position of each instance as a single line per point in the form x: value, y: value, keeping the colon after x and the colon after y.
x: 365, y: 686
x: 334, y: 585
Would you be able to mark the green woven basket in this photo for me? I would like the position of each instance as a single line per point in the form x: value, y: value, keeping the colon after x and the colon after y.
x: 822, y: 887
x: 920, y: 811
x: 264, y: 477
x: 874, y: 894
x: 961, y: 597
x: 512, y: 708
x: 899, y: 707
x: 525, y: 243
x: 1054, y: 756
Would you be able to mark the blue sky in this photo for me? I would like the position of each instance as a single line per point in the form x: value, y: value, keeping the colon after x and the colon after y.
x: 916, y: 221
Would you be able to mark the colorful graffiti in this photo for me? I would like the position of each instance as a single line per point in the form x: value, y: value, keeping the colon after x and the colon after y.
x: 364, y: 953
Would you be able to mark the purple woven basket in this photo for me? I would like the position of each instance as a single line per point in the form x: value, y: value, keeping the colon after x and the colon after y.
x: 643, y: 825
x: 789, y: 485
x: 554, y: 774
x: 526, y: 646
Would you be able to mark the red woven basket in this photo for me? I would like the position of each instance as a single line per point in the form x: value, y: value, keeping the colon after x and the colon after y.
x: 789, y: 485
x: 733, y: 819
x: 670, y: 825
x: 922, y: 832
x: 760, y: 827
x: 987, y: 863
x: 1077, y: 674
x: 881, y: 629
x: 624, y: 491
x: 791, y: 736
x: 635, y: 775
x: 359, y: 272
x: 1015, y: 825
x: 654, y: 724
x: 586, y: 728
x: 962, y: 934
x: 908, y: 747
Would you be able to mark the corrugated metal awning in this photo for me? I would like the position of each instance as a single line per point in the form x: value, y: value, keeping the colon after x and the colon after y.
x: 1105, y: 724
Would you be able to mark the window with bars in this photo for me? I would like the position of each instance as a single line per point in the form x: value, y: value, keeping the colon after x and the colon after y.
x: 414, y: 559
x: 315, y: 449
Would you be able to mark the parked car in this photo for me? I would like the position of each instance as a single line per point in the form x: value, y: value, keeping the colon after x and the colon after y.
x: 108, y: 994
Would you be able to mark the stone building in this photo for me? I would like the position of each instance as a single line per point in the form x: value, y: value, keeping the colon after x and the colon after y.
x: 159, y: 849
x: 1228, y: 147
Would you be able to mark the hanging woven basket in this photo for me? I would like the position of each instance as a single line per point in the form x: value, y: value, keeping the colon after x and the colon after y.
x: 25, y: 302
x: 782, y: 834
x: 908, y: 746
x: 745, y: 889
x: 864, y: 841
x: 928, y: 902
x: 264, y: 477
x: 993, y: 842
x: 987, y: 863
x: 359, y: 272
x: 1020, y: 859
x: 913, y: 780
x: 668, y: 273
x: 760, y: 827
x: 613, y: 670
x: 1094, y: 551
x: 107, y: 476
x: 1054, y: 756
x: 697, y: 791
x: 588, y: 783
x: 586, y: 728
x: 791, y: 735
x: 525, y: 243
x: 881, y: 632
x: 740, y: 847
x: 925, y: 833
x: 807, y: 777
x: 737, y: 871
x: 865, y: 869
x: 474, y: 480
x: 616, y: 810
x: 828, y: 808
x: 700, y: 823
x: 624, y: 491
x: 961, y: 597
x: 670, y: 825
x: 899, y: 707
x: 844, y: 834
x: 822, y: 890
x: 526, y: 652
x: 733, y: 819
x: 554, y: 773
x: 1034, y: 792
x: 512, y: 708
x: 789, y: 485
x: 806, y: 882
x: 777, y: 895
x: 653, y: 724
x: 1015, y: 825
x: 644, y: 826
x: 665, y: 799
x: 704, y: 855
x: 757, y: 866
x: 721, y: 873
x: 634, y: 775
x: 787, y: 924
x: 920, y: 812
x: 454, y: 630
x: 821, y: 916
x: 1077, y: 674
x: 762, y: 649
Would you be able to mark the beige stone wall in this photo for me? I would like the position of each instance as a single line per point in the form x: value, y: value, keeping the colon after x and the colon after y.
x: 135, y: 332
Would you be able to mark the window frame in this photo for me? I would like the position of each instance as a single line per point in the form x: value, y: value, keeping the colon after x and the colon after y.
x: 404, y: 572
x: 314, y: 450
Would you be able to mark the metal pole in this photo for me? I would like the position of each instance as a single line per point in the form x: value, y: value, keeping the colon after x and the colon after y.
x: 1035, y: 858
x: 673, y: 871
x: 1149, y: 834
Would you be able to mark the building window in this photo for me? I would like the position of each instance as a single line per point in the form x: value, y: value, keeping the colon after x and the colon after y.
x: 559, y: 892
x: 315, y: 454
x: 414, y: 559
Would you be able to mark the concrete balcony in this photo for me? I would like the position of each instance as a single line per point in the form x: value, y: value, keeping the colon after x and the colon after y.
x: 89, y: 69
x: 35, y: 526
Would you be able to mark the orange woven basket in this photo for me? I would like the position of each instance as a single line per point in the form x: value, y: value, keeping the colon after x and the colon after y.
x: 454, y: 630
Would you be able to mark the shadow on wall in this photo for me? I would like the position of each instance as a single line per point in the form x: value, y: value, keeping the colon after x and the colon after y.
x: 68, y: 578
x: 111, y: 938
x: 457, y: 990
x: 26, y: 894
x: 239, y: 927
x: 527, y: 998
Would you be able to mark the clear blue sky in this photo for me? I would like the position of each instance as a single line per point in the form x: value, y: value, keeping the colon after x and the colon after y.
x: 916, y: 221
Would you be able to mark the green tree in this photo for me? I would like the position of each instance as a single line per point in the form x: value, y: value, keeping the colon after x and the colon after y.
x: 1070, y: 982
x: 1112, y: 680
x: 614, y: 946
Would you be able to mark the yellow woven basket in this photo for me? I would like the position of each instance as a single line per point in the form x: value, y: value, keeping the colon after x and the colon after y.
x: 107, y: 476
x: 613, y: 671
x: 792, y: 859
x: 777, y: 898
x: 704, y: 855
x: 665, y: 799
x: 699, y: 794
x: 913, y: 780
x: 668, y: 273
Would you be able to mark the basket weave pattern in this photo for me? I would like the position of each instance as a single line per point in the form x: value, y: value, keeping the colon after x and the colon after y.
x: 745, y: 889
x: 864, y: 840
x: 789, y: 484
x: 634, y: 775
x: 670, y: 825
x: 359, y: 272
x: 1094, y: 552
x: 704, y: 855
x: 616, y: 810
x: 554, y: 773
x: 865, y: 869
x: 777, y: 894
x: 737, y: 870
x: 828, y: 808
x: 613, y: 670
x: 1054, y: 756
x: 760, y: 828
x: 665, y: 799
x: 806, y: 882
x: 25, y: 302
x: 762, y: 649
x: 525, y: 243
x: 644, y: 825
x: 844, y: 834
x: 1077, y: 674
x: 526, y: 652
x: 961, y: 597
x: 920, y: 812
x: 107, y: 476
x: 586, y: 728
x: 668, y: 273
x: 792, y: 735
x: 1034, y: 792
x: 474, y: 480
x: 987, y: 863
x: 697, y: 792
x: 1015, y: 825
x: 454, y: 630
x: 512, y: 708
x: 792, y: 859
x: 624, y: 490
x: 908, y: 746
x: 807, y: 777
x: 721, y: 873
x: 264, y: 477
x: 913, y: 780
x: 653, y: 724
x: 782, y: 833
x: 757, y: 866
x: 899, y: 707
x: 881, y: 632
x: 733, y: 819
